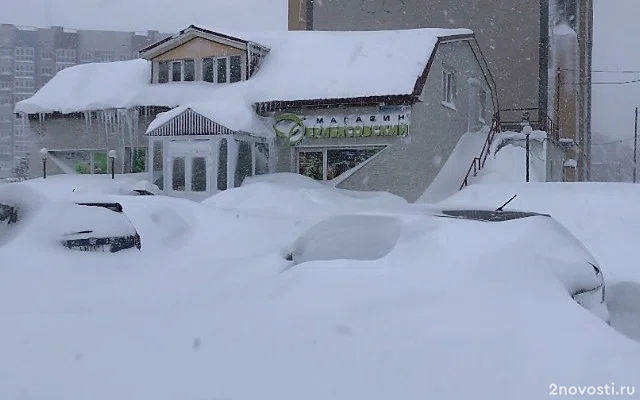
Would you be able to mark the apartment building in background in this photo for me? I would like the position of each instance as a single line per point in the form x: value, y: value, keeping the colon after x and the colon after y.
x: 539, y: 53
x: 30, y: 57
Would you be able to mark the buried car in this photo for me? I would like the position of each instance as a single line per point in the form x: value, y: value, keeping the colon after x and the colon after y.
x: 84, y: 226
x: 368, y: 236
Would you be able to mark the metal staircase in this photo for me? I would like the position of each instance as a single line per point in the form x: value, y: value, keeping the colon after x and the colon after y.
x: 478, y: 162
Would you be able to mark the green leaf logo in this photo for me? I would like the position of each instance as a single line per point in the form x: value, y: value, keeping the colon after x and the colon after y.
x: 289, y: 126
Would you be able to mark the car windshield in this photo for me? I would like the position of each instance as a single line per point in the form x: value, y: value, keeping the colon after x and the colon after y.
x: 489, y: 215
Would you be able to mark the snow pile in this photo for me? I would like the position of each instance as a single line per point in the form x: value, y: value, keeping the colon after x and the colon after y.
x: 454, y: 311
x: 452, y: 173
x: 298, y: 196
x: 507, y: 161
x: 66, y: 186
x: 286, y: 74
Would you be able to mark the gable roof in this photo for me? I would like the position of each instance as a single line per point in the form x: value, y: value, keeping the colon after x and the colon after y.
x: 205, y: 117
x: 302, y: 67
x: 185, y: 35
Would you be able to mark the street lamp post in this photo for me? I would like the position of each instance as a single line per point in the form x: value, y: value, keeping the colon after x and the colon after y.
x: 527, y: 130
x: 44, y: 153
x: 112, y: 157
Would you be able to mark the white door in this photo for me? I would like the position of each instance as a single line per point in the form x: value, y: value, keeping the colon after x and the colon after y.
x: 190, y: 169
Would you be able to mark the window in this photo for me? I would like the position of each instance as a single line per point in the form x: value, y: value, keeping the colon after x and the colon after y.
x: 176, y: 71
x: 178, y: 177
x: 86, y: 58
x: 47, y: 55
x: 5, y: 69
x: 327, y: 164
x: 25, y: 85
x: 24, y: 69
x: 262, y: 158
x: 163, y: 72
x: 46, y: 70
x: 4, y: 85
x: 158, y: 159
x: 66, y: 55
x: 25, y: 54
x: 310, y: 164
x: 198, y: 174
x: 448, y: 87
x: 222, y: 165
x: 5, y: 100
x: 235, y: 68
x: 341, y: 160
x: 135, y: 159
x: 207, y: 69
x: 189, y: 70
x: 123, y: 57
x: 103, y: 56
x: 244, y: 166
x: 222, y: 70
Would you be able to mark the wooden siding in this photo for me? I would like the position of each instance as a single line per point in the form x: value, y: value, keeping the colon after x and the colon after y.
x: 199, y: 48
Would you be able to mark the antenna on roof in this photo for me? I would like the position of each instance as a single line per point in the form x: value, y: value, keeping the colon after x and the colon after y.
x: 501, y: 208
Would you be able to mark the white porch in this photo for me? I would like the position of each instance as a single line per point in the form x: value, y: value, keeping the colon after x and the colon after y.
x: 194, y: 157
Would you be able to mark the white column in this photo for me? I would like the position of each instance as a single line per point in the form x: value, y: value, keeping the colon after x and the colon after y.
x: 232, y: 161
x: 252, y: 143
x: 214, y: 157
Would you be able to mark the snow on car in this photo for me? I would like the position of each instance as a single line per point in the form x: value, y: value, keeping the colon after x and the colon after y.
x: 25, y: 214
x: 368, y: 236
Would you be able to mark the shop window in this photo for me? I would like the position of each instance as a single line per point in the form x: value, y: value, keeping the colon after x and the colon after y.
x: 163, y: 72
x: 245, y: 163
x: 176, y: 71
x: 222, y: 165
x: 100, y: 164
x: 328, y: 164
x: 235, y: 69
x: 340, y: 161
x: 135, y: 160
x: 198, y: 174
x: 311, y: 164
x: 178, y: 175
x: 158, y: 160
x: 207, y: 69
x: 189, y: 70
x: 262, y: 158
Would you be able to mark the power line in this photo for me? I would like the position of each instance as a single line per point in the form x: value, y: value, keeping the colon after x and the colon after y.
x: 608, y: 71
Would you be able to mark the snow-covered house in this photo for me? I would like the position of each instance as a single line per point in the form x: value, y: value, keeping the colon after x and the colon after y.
x: 379, y: 110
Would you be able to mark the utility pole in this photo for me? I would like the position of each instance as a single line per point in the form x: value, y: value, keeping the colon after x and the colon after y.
x: 635, y: 148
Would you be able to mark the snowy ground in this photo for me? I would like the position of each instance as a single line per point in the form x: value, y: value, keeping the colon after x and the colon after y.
x: 207, y: 311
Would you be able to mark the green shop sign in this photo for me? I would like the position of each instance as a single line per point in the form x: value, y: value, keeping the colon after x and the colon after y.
x: 295, y: 127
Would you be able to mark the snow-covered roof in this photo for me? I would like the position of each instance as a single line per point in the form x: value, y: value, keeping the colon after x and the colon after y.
x: 237, y: 117
x: 99, y: 86
x: 302, y: 65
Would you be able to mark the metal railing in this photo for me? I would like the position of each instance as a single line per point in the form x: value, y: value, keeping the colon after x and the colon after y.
x: 478, y: 162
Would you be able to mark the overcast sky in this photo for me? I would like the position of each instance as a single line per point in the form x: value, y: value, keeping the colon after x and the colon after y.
x: 616, y: 47
x: 141, y: 15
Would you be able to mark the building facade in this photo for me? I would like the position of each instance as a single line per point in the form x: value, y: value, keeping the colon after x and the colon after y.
x: 239, y: 119
x: 30, y: 57
x: 538, y: 51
